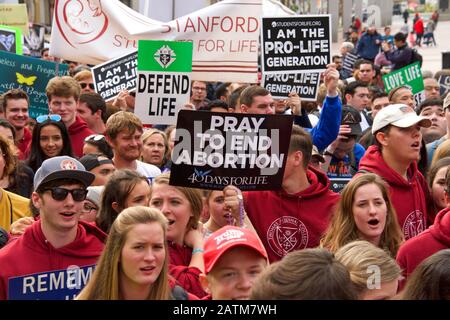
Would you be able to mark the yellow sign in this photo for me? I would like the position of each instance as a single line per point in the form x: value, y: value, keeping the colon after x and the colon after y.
x: 15, y: 15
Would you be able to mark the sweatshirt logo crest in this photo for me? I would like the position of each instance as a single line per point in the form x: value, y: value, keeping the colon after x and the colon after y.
x: 414, y: 224
x: 287, y: 234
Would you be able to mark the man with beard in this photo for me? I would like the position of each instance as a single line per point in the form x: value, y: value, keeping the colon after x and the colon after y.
x: 199, y: 92
x: 123, y: 134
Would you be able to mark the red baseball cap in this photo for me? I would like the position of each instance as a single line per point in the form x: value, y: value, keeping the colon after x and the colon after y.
x: 227, y: 238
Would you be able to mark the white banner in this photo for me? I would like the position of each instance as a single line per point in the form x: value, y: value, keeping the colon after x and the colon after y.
x: 225, y: 35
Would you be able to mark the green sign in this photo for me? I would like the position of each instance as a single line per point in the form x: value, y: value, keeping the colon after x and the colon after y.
x: 410, y: 75
x: 164, y: 56
x: 30, y: 75
x: 10, y: 39
x: 163, y: 80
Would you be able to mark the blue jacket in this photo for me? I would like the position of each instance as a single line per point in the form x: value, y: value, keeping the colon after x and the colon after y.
x: 327, y: 129
x: 367, y: 47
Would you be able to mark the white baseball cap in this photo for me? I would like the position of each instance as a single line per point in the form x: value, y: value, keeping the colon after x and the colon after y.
x: 399, y: 115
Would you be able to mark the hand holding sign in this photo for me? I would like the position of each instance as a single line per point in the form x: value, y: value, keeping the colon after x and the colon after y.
x: 120, y: 101
x: 295, y: 103
x: 331, y: 78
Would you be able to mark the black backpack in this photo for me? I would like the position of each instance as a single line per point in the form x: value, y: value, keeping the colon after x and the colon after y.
x: 416, y: 57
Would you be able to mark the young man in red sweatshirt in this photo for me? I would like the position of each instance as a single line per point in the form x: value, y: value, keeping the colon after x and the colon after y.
x: 233, y: 257
x: 296, y: 216
x: 15, y: 106
x: 55, y: 257
x: 432, y: 240
x: 394, y: 157
x: 63, y: 94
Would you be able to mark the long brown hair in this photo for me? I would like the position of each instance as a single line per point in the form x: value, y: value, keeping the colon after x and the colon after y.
x: 104, y: 284
x: 343, y: 229
x: 117, y: 189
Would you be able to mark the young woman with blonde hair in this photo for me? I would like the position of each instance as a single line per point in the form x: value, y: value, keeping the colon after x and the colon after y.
x: 364, y: 212
x: 134, y: 263
x: 374, y: 273
x: 182, y: 207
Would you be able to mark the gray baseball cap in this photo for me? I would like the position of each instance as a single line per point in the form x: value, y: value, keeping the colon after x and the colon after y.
x: 62, y: 167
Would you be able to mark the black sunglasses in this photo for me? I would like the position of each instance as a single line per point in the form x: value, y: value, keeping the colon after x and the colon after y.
x: 59, y: 194
x: 84, y: 85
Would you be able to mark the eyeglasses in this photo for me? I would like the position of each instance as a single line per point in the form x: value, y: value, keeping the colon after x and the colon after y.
x: 45, y: 117
x: 95, y: 137
x: 59, y: 194
x: 87, y: 208
x: 84, y: 85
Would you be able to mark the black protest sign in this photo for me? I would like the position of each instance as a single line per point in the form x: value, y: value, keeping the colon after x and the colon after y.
x: 301, y: 43
x: 115, y: 75
x: 306, y: 85
x: 444, y: 84
x: 213, y: 150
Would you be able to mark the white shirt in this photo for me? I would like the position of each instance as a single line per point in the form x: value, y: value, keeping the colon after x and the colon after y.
x: 364, y: 124
x: 149, y: 171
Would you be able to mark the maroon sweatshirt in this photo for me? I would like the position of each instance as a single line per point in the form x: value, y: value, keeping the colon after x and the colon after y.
x: 432, y: 240
x: 187, y: 277
x: 31, y: 268
x: 288, y: 222
x: 78, y: 131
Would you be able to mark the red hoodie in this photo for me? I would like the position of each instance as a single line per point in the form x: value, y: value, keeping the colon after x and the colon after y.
x: 435, y: 238
x: 408, y: 197
x: 24, y: 143
x: 418, y: 26
x: 187, y: 277
x: 288, y: 222
x: 78, y: 131
x: 31, y: 268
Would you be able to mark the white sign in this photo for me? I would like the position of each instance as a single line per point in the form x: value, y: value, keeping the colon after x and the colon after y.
x: 225, y: 35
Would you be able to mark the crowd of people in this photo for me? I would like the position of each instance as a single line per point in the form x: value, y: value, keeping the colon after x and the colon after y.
x: 365, y: 191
